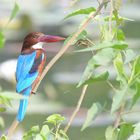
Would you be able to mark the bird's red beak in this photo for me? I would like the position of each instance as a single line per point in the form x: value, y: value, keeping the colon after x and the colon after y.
x: 50, y: 38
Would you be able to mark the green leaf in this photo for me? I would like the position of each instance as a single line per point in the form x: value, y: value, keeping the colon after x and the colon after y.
x: 12, y: 95
x: 51, y: 137
x: 136, y: 95
x: 136, y: 66
x: 99, y: 77
x: 14, y: 11
x: 136, y: 132
x: 119, y: 66
x: 130, y: 55
x: 2, y: 124
x: 2, y: 40
x: 2, y: 109
x: 92, y: 113
x: 111, y: 133
x: 88, y: 71
x: 118, y: 99
x: 38, y: 137
x: 118, y: 18
x: 55, y: 119
x: 31, y: 133
x: 121, y: 45
x: 125, y: 131
x: 120, y: 35
x: 135, y: 74
x: 103, y: 57
x: 35, y: 129
x: 3, y: 137
x: 82, y: 35
x: 5, y: 101
x: 45, y: 131
x: 81, y: 11
x: 64, y: 135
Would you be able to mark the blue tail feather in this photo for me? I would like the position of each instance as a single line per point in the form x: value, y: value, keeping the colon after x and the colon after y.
x: 23, y: 105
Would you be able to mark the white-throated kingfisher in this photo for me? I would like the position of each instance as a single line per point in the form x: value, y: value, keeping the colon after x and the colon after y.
x: 30, y: 66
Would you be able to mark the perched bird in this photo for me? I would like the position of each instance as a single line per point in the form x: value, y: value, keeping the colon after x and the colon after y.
x: 30, y: 65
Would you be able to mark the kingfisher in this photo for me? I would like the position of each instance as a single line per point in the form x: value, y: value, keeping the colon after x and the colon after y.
x: 30, y: 65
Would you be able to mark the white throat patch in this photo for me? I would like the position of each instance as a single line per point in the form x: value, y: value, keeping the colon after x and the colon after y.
x: 38, y: 45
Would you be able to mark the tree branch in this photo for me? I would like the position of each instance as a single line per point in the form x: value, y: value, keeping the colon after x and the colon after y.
x: 118, y: 117
x: 77, y: 108
x: 110, y: 17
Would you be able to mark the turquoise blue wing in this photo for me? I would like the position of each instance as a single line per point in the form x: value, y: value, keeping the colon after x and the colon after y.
x: 24, y: 65
x: 23, y: 75
x: 26, y: 82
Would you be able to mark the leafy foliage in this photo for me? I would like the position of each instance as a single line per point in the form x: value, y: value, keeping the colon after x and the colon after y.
x: 107, y: 44
x: 81, y: 11
x: 82, y: 35
x: 2, y: 40
x: 113, y: 51
x: 136, y: 132
x: 14, y: 11
x: 2, y: 122
x: 94, y: 110
x: 46, y: 132
x: 102, y: 58
x: 126, y: 130
x: 3, y: 137
x: 111, y: 133
x: 12, y: 16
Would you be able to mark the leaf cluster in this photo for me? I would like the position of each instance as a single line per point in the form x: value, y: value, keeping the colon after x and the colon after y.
x: 50, y: 130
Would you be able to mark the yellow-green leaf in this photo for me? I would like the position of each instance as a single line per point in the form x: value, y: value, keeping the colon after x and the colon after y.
x: 2, y: 40
x: 107, y: 44
x: 1, y: 122
x: 14, y: 11
x: 81, y: 11
x: 118, y: 99
x: 111, y: 133
x: 99, y: 77
x: 91, y: 115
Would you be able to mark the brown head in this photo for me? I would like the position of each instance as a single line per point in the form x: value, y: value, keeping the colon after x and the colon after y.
x: 35, y: 40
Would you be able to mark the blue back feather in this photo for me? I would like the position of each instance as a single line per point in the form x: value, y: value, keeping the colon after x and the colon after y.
x: 25, y: 79
x: 24, y: 65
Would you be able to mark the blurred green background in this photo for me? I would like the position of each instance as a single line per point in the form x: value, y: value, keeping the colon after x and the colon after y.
x: 57, y: 92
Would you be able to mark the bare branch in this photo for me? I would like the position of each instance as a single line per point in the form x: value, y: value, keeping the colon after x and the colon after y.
x: 77, y: 108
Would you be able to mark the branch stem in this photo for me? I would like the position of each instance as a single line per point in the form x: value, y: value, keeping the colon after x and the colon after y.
x: 110, y: 17
x: 118, y: 117
x: 12, y: 128
x: 77, y: 108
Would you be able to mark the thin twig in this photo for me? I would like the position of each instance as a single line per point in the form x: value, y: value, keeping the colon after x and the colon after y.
x: 118, y: 117
x: 77, y: 108
x: 12, y: 128
x: 110, y: 84
x: 110, y: 17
